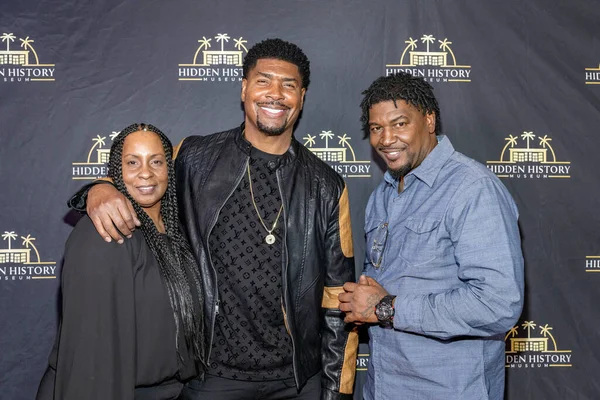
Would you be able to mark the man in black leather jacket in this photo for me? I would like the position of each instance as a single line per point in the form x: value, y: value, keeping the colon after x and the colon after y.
x: 256, y: 204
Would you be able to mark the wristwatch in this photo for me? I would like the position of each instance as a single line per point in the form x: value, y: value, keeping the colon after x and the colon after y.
x: 384, y: 310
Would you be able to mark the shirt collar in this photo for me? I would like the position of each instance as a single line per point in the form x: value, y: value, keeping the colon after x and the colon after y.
x: 431, y: 165
x: 286, y: 158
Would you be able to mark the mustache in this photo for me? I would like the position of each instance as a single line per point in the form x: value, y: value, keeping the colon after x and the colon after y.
x: 273, y: 104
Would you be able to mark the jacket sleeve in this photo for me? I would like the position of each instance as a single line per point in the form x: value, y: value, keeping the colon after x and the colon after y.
x: 78, y: 201
x: 339, y: 342
x: 96, y: 345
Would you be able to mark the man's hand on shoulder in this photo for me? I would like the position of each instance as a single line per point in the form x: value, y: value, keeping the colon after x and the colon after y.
x: 111, y: 212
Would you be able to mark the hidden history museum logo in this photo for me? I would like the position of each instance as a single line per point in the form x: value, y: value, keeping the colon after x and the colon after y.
x: 215, y: 64
x: 429, y: 61
x: 592, y: 76
x: 362, y: 361
x: 533, y: 158
x: 18, y: 263
x: 95, y: 165
x: 20, y: 63
x: 592, y: 263
x: 338, y: 153
x: 529, y: 347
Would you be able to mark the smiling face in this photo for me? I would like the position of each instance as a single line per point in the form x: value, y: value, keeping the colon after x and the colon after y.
x: 145, y: 170
x: 401, y: 135
x: 273, y: 97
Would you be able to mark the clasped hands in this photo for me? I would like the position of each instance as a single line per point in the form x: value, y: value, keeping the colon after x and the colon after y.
x: 359, y: 300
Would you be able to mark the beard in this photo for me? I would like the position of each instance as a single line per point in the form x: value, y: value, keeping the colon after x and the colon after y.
x: 271, y: 130
x: 399, y: 172
x: 402, y: 170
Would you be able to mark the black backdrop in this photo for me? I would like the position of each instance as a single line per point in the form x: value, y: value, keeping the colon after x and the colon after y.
x: 518, y: 88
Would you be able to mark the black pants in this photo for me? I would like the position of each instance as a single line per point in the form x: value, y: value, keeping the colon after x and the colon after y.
x: 215, y: 388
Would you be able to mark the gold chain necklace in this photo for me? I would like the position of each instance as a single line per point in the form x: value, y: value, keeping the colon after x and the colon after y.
x: 270, y: 238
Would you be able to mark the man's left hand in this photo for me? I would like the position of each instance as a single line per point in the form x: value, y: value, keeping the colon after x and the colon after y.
x: 360, y: 299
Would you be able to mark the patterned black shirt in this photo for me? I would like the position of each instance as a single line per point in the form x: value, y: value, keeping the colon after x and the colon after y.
x: 251, y: 341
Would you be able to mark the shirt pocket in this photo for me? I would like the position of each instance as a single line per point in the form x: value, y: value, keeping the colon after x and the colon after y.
x: 376, y: 235
x: 420, y: 240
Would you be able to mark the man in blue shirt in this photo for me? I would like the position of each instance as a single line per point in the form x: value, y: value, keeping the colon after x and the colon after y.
x: 443, y: 278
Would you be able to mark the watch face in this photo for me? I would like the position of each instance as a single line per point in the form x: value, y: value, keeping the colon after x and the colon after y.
x: 384, y: 311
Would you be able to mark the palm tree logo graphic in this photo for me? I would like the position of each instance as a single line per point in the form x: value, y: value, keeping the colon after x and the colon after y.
x: 20, y: 255
x: 545, y: 331
x: 204, y: 44
x: 219, y: 57
x: 99, y: 153
x: 528, y: 153
x: 427, y: 39
x: 444, y: 45
x: 429, y: 56
x: 222, y: 37
x: 512, y: 141
x: 98, y: 142
x: 8, y: 37
x: 326, y: 135
x: 528, y: 136
x: 331, y: 154
x: 19, y: 57
x: 26, y: 44
x: 28, y: 241
x: 239, y: 43
x: 545, y: 141
x: 532, y: 342
x: 309, y: 140
x: 9, y: 236
x: 412, y: 44
x: 345, y: 142
x: 529, y: 325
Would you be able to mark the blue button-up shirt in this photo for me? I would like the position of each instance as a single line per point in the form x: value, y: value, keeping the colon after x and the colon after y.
x: 448, y: 247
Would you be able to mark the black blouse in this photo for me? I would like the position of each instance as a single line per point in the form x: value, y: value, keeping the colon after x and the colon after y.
x: 117, y: 333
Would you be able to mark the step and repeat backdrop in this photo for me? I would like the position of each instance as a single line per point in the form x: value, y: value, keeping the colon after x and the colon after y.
x: 519, y: 90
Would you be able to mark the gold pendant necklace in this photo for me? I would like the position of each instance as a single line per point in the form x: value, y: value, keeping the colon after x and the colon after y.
x: 270, y: 238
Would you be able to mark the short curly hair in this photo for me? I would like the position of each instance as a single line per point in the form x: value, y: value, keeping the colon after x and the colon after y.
x: 400, y: 86
x: 279, y: 50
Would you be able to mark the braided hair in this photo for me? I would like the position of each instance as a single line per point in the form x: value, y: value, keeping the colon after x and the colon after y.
x: 175, y: 259
x: 400, y: 86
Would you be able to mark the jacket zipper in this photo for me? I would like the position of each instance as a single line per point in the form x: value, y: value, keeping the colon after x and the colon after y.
x: 284, y: 275
x: 212, y: 226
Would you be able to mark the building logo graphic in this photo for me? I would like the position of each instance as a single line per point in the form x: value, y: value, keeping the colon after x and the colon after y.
x: 22, y: 64
x: 96, y: 162
x: 592, y: 76
x: 430, y: 64
x: 592, y: 263
x: 529, y: 162
x: 534, y: 349
x: 16, y: 262
x: 215, y: 65
x: 342, y: 159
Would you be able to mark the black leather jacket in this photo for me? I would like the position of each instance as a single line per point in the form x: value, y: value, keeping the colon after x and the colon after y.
x: 317, y: 247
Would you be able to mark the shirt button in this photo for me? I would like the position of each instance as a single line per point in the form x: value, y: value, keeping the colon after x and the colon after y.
x: 272, y: 164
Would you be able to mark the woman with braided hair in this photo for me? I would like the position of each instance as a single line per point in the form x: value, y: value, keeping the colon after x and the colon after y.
x: 132, y: 323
